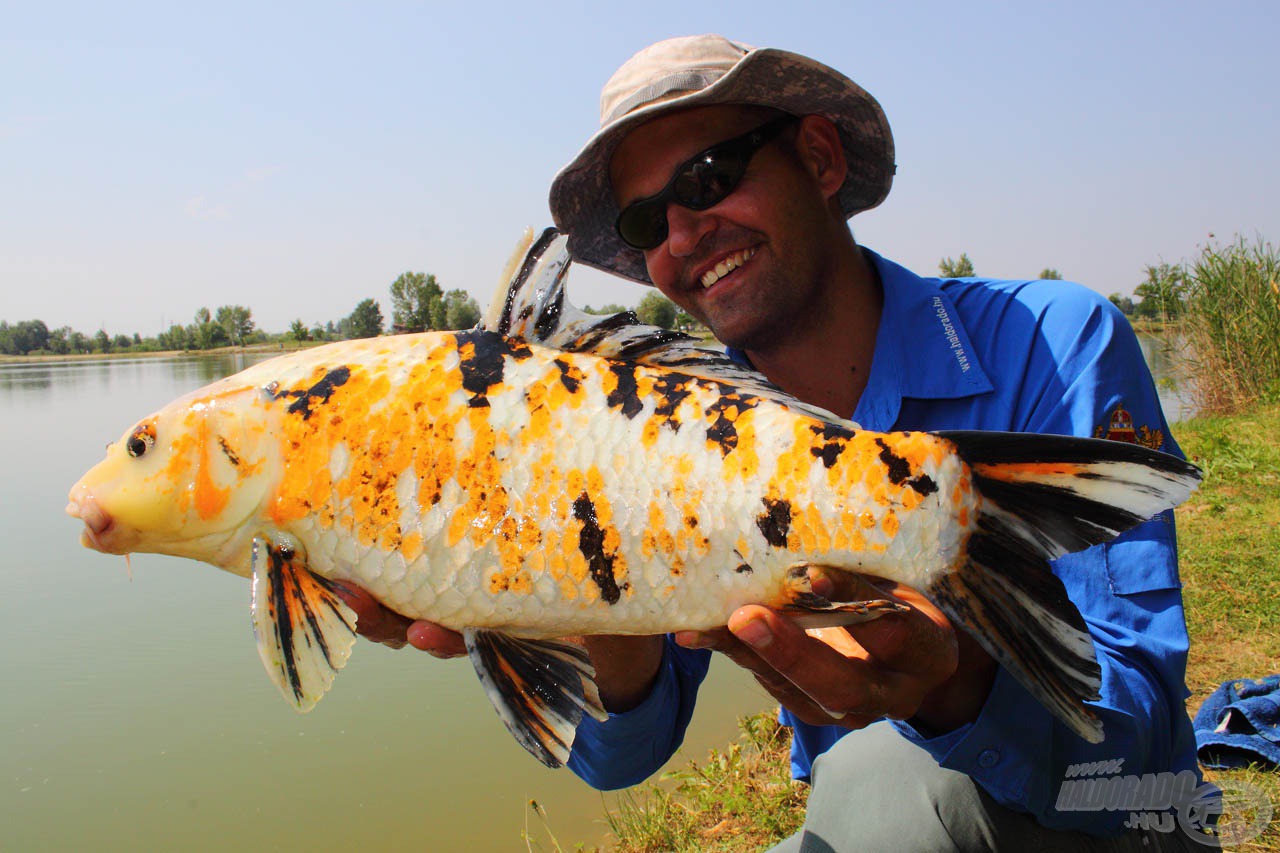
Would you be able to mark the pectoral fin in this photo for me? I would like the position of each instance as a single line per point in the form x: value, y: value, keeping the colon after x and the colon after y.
x: 539, y: 688
x: 810, y: 610
x: 304, y: 630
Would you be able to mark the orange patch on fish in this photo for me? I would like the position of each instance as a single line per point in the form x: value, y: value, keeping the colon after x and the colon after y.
x: 210, y: 498
x: 1026, y: 471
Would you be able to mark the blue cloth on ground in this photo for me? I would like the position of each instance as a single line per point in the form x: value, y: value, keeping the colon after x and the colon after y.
x: 1239, y: 724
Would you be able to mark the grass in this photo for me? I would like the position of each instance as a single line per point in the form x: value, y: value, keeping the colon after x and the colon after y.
x: 1229, y: 549
x: 1231, y: 319
x: 1229, y: 552
x: 739, y: 799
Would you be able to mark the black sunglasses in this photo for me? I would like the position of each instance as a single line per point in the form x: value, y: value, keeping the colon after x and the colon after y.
x: 702, y: 181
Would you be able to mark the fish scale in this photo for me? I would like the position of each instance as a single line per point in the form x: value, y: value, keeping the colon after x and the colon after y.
x: 553, y: 474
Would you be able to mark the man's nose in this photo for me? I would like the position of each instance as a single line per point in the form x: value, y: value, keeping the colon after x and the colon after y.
x: 686, y: 229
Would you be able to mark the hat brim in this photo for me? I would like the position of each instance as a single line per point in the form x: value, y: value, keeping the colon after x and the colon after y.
x: 582, y: 203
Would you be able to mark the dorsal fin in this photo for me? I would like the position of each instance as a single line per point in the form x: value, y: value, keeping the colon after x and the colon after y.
x: 531, y: 306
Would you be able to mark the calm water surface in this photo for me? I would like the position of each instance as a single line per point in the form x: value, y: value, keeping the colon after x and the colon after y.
x: 1174, y: 388
x: 136, y: 715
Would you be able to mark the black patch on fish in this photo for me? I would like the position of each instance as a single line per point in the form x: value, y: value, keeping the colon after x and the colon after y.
x: 923, y: 484
x: 775, y: 521
x: 650, y: 342
x: 231, y: 454
x: 590, y: 341
x: 670, y: 390
x: 549, y: 319
x: 723, y: 433
x: 744, y: 569
x: 625, y: 397
x: 830, y: 432
x: 828, y: 453
x: 570, y: 378
x: 591, y: 544
x: 484, y: 367
x: 280, y: 617
x: 316, y: 394
x: 833, y: 442
x: 722, y: 430
x: 899, y: 468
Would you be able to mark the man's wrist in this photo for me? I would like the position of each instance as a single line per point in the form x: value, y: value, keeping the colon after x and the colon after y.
x: 960, y: 699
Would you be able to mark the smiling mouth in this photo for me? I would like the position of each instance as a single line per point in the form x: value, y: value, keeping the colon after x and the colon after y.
x: 726, y: 266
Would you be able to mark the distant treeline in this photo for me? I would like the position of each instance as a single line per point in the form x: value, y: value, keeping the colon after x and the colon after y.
x: 230, y: 325
x: 418, y: 304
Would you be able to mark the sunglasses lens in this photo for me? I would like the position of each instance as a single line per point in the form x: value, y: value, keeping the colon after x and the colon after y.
x: 700, y: 185
x: 643, y: 225
x: 707, y: 182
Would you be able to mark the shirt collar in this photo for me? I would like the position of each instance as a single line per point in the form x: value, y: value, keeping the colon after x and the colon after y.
x: 922, y: 349
x: 940, y: 363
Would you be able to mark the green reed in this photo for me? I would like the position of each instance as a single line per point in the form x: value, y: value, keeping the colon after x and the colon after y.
x: 1232, y: 325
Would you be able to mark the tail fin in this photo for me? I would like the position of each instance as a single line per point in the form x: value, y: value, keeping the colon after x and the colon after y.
x: 1042, y: 497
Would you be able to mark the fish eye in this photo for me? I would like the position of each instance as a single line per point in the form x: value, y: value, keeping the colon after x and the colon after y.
x: 141, y: 440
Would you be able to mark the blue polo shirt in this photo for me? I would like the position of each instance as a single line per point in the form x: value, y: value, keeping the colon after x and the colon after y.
x: 1024, y: 356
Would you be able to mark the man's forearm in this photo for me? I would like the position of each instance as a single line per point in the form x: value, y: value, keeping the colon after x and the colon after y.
x: 625, y: 668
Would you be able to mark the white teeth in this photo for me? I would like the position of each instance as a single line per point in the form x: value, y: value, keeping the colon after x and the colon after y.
x: 726, y: 266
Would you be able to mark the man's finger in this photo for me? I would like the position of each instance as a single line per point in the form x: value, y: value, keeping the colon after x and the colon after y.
x: 373, y: 621
x: 432, y: 638
x: 836, y: 683
x: 920, y: 641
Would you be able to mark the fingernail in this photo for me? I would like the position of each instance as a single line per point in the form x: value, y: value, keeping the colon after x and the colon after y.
x: 821, y: 584
x: 755, y: 634
x: 418, y: 637
x: 692, y: 640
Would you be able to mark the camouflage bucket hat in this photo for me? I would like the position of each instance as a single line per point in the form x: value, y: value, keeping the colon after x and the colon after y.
x: 697, y: 71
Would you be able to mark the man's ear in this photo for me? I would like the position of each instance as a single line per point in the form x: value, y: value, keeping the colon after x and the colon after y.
x: 820, y: 151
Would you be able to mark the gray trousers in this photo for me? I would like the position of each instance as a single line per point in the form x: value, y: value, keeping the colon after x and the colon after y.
x: 874, y: 790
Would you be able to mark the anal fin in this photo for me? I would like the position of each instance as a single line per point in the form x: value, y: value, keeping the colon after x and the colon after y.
x: 809, y: 610
x: 540, y: 689
x: 304, y: 630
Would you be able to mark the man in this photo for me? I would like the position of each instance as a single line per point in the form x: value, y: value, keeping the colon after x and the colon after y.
x: 724, y: 176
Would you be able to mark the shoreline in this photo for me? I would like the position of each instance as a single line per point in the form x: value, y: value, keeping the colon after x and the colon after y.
x: 170, y: 353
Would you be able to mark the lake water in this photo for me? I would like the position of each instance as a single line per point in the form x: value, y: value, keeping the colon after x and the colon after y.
x: 1171, y: 382
x: 136, y: 714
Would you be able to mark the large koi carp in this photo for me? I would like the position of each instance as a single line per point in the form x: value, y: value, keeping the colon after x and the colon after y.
x: 551, y: 474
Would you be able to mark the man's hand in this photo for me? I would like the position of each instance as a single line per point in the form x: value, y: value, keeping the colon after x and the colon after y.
x: 377, y: 623
x: 906, y: 665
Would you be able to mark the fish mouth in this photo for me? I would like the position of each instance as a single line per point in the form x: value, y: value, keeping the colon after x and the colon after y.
x: 101, y: 532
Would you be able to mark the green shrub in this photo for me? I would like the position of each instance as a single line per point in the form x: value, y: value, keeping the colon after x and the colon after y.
x: 1232, y: 323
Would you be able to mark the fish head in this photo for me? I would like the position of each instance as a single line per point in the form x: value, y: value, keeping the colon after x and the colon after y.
x: 187, y: 480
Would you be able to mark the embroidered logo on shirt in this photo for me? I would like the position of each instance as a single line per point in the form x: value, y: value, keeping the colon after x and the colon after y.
x: 1119, y: 427
x: 949, y: 329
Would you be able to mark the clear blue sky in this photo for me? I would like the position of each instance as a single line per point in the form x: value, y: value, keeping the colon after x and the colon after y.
x: 295, y: 158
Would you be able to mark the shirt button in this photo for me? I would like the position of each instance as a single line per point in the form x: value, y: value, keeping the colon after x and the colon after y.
x: 988, y: 758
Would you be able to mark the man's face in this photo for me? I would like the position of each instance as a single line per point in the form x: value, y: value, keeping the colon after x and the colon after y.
x: 766, y: 237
